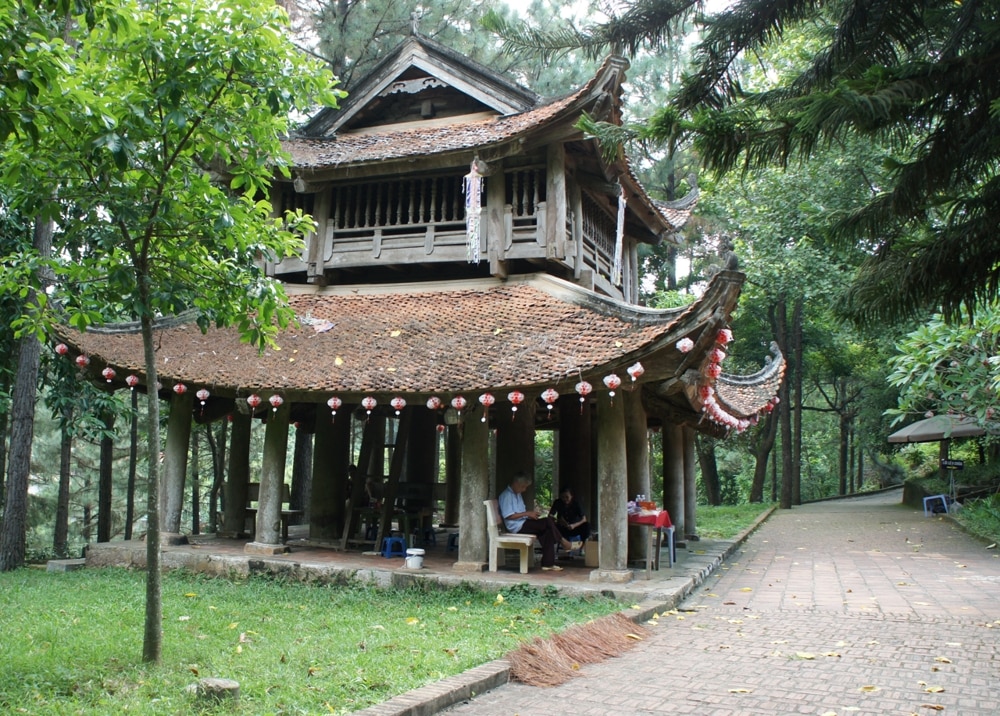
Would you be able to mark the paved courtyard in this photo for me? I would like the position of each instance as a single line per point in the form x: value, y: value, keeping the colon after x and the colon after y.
x: 854, y: 606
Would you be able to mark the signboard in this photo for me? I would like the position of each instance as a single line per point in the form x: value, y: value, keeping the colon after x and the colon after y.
x: 952, y: 464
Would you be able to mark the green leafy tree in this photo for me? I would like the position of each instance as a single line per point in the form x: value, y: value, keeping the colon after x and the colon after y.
x: 167, y: 141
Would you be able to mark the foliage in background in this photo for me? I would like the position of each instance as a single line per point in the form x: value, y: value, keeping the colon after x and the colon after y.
x: 293, y: 647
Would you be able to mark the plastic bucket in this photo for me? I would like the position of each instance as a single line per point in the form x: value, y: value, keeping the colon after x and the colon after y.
x: 414, y: 558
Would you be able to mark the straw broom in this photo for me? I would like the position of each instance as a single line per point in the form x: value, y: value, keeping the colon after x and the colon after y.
x: 553, y: 661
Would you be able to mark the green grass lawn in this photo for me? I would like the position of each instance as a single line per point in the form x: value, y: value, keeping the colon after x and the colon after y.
x: 727, y: 521
x: 71, y: 643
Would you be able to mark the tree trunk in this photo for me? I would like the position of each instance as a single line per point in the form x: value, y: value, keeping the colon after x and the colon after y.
x: 4, y: 423
x: 763, y: 452
x: 152, y: 642
x: 60, y: 540
x: 13, y: 530
x: 780, y: 322
x: 796, y: 403
x: 104, y: 479
x: 709, y: 470
x: 133, y: 455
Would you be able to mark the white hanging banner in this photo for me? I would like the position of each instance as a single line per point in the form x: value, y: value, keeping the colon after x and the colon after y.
x: 616, y: 264
x: 473, y: 188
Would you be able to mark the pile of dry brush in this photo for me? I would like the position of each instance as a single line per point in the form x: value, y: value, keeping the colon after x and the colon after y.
x: 552, y: 661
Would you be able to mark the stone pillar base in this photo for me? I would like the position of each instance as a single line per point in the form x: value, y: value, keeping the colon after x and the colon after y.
x: 469, y: 566
x: 172, y: 538
x: 261, y: 548
x: 618, y: 576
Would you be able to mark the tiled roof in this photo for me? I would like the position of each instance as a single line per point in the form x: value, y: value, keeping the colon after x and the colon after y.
x: 491, y: 335
x: 316, y: 153
x: 746, y: 396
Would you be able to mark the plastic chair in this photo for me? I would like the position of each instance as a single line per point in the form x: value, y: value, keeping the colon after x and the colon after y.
x: 393, y: 547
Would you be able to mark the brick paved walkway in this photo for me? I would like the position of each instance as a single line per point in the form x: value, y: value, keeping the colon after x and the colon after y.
x: 856, y: 606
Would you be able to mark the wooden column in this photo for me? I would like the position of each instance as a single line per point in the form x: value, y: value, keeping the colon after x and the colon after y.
x: 239, y: 475
x: 494, y: 225
x: 673, y: 474
x: 575, y: 452
x: 104, y: 492
x: 452, y: 474
x: 267, y: 539
x: 637, y: 456
x: 175, y: 465
x: 555, y: 201
x: 472, y: 541
x: 331, y: 444
x: 302, y: 462
x: 611, y: 477
x: 515, y: 444
x: 690, y: 487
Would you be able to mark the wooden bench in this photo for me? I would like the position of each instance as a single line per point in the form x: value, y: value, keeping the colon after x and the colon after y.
x: 501, y: 539
x: 253, y: 496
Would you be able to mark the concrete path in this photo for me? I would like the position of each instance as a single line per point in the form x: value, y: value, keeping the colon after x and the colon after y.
x: 854, y: 606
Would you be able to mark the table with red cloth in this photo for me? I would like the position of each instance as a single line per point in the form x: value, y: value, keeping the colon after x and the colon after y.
x: 658, y: 520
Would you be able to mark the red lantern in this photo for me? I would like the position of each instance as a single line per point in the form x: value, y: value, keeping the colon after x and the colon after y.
x: 724, y: 336
x: 132, y: 380
x: 108, y: 373
x: 612, y: 381
x: 705, y: 392
x: 82, y: 360
x: 440, y: 428
x: 62, y: 349
x: 713, y: 370
x: 487, y: 400
x: 276, y: 402
x: 253, y: 400
x: 203, y: 395
x: 550, y: 396
x: 635, y: 370
x: 334, y: 404
x: 684, y: 345
x: 369, y: 403
x: 717, y: 355
x: 516, y: 397
x: 180, y: 388
x: 434, y: 403
x: 398, y: 403
x: 459, y: 403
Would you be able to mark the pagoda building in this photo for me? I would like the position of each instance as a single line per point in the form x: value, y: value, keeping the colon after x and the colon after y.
x: 473, y: 278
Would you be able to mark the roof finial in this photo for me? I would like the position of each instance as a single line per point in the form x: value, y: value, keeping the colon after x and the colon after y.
x: 415, y: 22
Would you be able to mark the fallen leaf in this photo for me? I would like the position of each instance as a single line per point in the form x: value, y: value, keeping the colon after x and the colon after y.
x: 740, y: 691
x: 233, y: 625
x: 451, y: 652
x: 193, y: 670
x: 868, y: 689
x: 805, y: 655
x: 746, y: 589
x: 396, y: 333
x: 729, y: 604
x: 190, y: 594
x: 184, y: 619
x: 452, y: 609
x: 636, y: 637
x: 337, y: 360
x: 831, y: 653
x: 499, y: 599
x: 933, y: 707
x: 942, y: 659
x: 412, y: 620
x: 618, y: 344
x: 934, y: 689
x: 311, y: 671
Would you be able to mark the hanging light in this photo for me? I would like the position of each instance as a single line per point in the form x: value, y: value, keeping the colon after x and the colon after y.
x: 334, y: 404
x: 368, y: 403
x: 62, y: 349
x: 717, y: 355
x: 275, y: 401
x: 108, y: 373
x: 434, y: 403
x: 398, y: 403
x: 203, y: 395
x: 635, y: 371
x: 487, y: 400
x: 684, y: 345
x: 253, y: 400
x: 713, y: 370
x: 82, y: 360
x: 550, y: 396
x: 440, y: 427
x: 516, y: 397
x: 612, y: 381
x: 131, y: 381
x: 180, y: 388
x: 724, y: 336
x: 584, y: 389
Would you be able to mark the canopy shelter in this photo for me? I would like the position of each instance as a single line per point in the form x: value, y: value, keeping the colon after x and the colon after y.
x: 939, y: 427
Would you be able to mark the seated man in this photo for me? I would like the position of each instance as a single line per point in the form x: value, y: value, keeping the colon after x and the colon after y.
x: 569, y: 517
x: 520, y: 520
